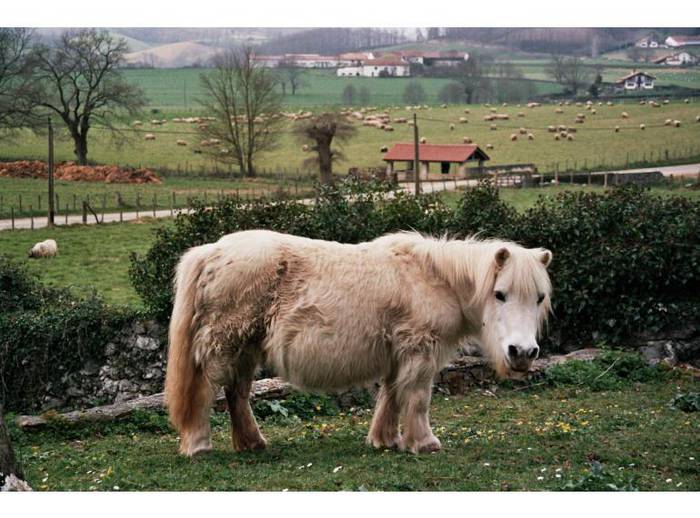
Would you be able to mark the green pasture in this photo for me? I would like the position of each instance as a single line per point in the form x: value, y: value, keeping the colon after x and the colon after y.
x: 569, y: 437
x: 595, y: 145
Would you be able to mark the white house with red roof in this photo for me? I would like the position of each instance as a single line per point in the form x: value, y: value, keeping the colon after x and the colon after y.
x: 636, y: 80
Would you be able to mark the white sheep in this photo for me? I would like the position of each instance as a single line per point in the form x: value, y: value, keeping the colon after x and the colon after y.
x: 513, y: 137
x: 181, y: 142
x: 642, y: 126
x: 625, y: 115
x: 530, y: 136
x: 47, y: 248
x: 423, y: 140
x: 466, y: 140
x: 677, y: 123
x: 489, y: 146
x: 149, y: 136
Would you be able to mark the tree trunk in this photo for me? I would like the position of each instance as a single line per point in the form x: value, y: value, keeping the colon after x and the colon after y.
x: 81, y: 147
x: 325, y: 161
x: 11, y: 476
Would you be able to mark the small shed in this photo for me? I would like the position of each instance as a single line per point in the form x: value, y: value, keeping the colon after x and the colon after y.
x: 444, y: 154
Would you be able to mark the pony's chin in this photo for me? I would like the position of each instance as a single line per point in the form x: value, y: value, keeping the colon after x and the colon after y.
x: 505, y: 370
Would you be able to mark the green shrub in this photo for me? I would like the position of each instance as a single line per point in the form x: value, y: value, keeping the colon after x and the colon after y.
x: 46, y: 336
x: 296, y: 406
x: 611, y: 370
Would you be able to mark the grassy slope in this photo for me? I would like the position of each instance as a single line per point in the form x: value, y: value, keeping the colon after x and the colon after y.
x: 92, y: 257
x: 520, y: 440
x: 595, y: 143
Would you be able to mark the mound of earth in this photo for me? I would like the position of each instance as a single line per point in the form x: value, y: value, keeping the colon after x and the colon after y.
x: 71, y: 172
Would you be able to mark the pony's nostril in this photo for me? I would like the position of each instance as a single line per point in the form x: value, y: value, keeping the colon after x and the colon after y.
x: 513, y: 351
x: 533, y: 353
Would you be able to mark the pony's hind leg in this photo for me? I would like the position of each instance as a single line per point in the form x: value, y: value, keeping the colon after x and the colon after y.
x: 414, y: 388
x: 384, y: 431
x: 245, y: 434
x: 195, y: 427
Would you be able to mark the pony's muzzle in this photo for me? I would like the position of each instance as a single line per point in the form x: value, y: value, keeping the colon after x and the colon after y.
x: 520, y: 358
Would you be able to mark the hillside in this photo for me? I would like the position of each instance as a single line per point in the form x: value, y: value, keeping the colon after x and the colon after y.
x: 173, y: 55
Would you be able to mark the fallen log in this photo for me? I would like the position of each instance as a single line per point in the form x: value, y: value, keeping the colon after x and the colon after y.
x: 463, y: 372
x: 267, y: 388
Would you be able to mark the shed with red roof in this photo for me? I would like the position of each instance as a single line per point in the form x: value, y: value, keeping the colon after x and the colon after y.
x: 444, y: 154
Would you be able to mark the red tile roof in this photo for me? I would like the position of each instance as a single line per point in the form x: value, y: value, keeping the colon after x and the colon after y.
x: 436, y: 152
x: 384, y: 62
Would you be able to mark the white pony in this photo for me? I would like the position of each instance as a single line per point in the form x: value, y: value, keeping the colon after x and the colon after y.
x: 328, y: 316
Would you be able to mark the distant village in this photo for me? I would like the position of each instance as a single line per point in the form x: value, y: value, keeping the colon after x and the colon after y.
x: 368, y: 64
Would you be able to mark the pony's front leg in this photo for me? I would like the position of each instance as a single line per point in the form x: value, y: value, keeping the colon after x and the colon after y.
x: 384, y: 431
x: 414, y: 387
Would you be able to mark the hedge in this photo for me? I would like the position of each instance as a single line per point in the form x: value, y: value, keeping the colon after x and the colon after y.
x: 625, y: 260
x: 47, y: 335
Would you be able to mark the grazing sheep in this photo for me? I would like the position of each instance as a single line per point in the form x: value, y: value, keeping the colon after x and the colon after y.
x: 452, y: 127
x: 521, y: 114
x: 489, y: 146
x: 443, y: 106
x: 149, y: 136
x: 563, y: 134
x: 466, y: 140
x: 580, y: 115
x: 569, y: 137
x: 625, y: 115
x: 668, y: 122
x: 513, y: 137
x: 551, y: 129
x: 666, y: 101
x: 137, y: 124
x: 47, y: 248
x: 642, y: 102
x: 642, y: 126
x: 383, y: 149
x: 423, y: 140
x: 530, y: 136
x: 556, y: 137
x: 609, y: 103
x: 522, y: 131
x: 686, y: 101
x: 533, y: 105
x: 697, y: 118
x: 181, y: 142
x: 617, y: 129
x: 559, y: 110
x: 493, y: 110
x: 463, y: 120
x: 305, y: 147
x: 388, y: 128
x: 594, y: 111
x: 677, y: 123
x: 466, y: 110
x: 494, y: 127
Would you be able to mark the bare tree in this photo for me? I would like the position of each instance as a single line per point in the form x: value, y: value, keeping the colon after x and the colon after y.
x: 349, y: 95
x: 473, y: 76
x: 414, y: 93
x: 293, y: 74
x: 570, y: 72
x: 18, y: 91
x: 555, y: 68
x: 81, y: 82
x: 320, y: 131
x: 242, y: 96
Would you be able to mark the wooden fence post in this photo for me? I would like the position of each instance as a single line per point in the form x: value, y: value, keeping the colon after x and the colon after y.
x: 84, y: 212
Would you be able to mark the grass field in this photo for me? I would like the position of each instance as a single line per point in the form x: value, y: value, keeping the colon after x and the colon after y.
x: 174, y: 191
x: 595, y: 144
x: 90, y: 257
x: 97, y: 256
x: 570, y: 437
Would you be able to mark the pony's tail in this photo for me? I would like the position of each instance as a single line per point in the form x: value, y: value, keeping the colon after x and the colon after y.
x: 186, y: 388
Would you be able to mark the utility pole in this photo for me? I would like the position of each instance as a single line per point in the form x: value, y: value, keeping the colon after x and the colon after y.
x: 52, y: 211
x: 416, y: 156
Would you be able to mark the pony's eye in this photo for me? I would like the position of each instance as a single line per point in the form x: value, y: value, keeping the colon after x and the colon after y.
x: 540, y: 299
x: 500, y: 296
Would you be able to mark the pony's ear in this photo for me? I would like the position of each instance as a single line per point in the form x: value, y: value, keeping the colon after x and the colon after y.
x: 545, y: 257
x: 501, y: 257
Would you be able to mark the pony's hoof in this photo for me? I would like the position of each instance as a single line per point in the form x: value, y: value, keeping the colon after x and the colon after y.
x: 428, y: 444
x: 380, y: 442
x: 196, y: 449
x: 253, y: 445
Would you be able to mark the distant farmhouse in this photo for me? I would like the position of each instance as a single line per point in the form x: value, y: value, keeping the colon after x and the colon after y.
x: 677, y: 59
x: 390, y: 67
x: 636, y: 81
x: 682, y: 41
